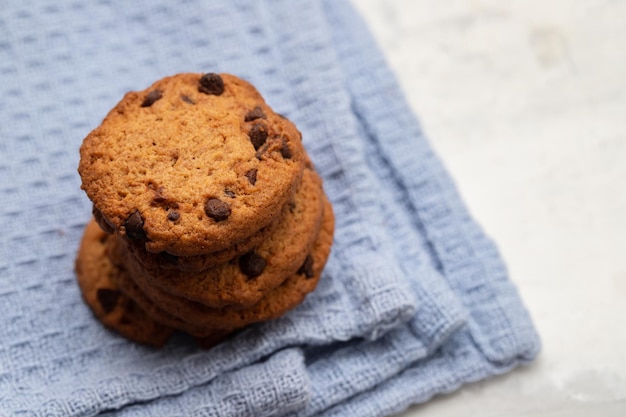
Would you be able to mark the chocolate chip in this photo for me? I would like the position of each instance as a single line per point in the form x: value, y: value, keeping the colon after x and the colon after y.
x: 285, y: 151
x: 307, y: 267
x: 173, y: 215
x: 152, y: 96
x: 229, y: 193
x: 159, y: 198
x: 258, y: 135
x: 217, y: 209
x: 255, y: 113
x: 102, y: 222
x: 251, y: 176
x: 187, y: 99
x: 107, y: 299
x: 211, y: 83
x: 134, y: 226
x: 252, y: 264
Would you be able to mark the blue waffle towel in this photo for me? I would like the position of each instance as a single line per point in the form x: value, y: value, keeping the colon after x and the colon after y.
x: 414, y: 301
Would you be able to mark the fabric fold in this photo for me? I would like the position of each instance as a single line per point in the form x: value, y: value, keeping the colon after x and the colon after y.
x: 276, y: 385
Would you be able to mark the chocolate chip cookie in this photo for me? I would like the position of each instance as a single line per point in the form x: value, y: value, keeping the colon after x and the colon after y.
x: 165, y: 260
x: 243, y: 281
x: 199, y: 320
x: 113, y: 308
x: 191, y: 165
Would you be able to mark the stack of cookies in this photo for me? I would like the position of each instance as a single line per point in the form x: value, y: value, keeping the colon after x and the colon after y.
x: 208, y: 214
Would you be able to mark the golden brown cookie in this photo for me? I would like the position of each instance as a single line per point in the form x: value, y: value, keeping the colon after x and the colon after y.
x: 165, y: 260
x: 199, y: 320
x: 114, y: 309
x: 97, y: 278
x: 243, y: 281
x: 191, y: 165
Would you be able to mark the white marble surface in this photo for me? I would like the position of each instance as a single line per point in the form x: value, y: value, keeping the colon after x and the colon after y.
x: 525, y: 101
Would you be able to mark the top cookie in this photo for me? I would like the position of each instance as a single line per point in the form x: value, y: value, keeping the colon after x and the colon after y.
x: 192, y: 164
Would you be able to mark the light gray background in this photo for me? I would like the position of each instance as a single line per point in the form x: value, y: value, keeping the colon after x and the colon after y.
x: 525, y: 101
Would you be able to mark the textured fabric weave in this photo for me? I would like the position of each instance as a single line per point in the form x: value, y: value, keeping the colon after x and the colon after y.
x: 414, y: 301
